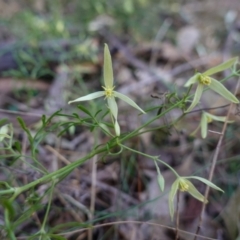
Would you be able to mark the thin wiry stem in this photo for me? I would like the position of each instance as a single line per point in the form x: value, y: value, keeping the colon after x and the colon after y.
x: 214, y: 161
x: 68, y: 234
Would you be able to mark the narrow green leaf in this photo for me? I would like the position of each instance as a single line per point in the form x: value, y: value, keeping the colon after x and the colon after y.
x: 43, y: 120
x: 57, y: 237
x: 82, y: 108
x: 192, y: 80
x: 195, y: 193
x: 100, y: 110
x: 221, y: 67
x: 105, y: 128
x: 204, y: 125
x: 220, y: 89
x: 128, y: 100
x: 172, y: 194
x: 89, y: 97
x: 207, y: 182
x: 196, y: 98
x: 3, y: 121
x: 17, y: 145
x: 8, y: 206
x: 107, y: 68
x: 22, y: 124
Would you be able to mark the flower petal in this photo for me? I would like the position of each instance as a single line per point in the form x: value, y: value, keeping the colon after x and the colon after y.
x: 207, y: 182
x: 195, y: 193
x: 221, y: 67
x: 172, y: 194
x: 220, y: 89
x: 3, y: 132
x: 204, y: 125
x: 88, y: 97
x: 218, y: 118
x: 117, y: 128
x: 113, y: 107
x: 107, y: 68
x: 196, y: 98
x: 192, y: 80
x: 161, y: 181
x: 128, y: 100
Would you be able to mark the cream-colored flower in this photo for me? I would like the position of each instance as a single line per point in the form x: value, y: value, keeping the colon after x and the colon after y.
x: 204, y: 79
x: 206, y: 119
x: 109, y: 92
x: 184, y: 185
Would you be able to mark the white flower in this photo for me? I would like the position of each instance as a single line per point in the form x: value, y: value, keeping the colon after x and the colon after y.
x: 109, y: 92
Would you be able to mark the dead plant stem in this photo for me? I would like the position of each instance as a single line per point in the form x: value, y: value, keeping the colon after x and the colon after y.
x: 214, y: 161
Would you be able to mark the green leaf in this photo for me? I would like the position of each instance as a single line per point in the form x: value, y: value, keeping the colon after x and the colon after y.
x: 105, y: 128
x: 196, y: 98
x: 17, y: 145
x: 8, y: 206
x: 192, y: 80
x: 161, y: 182
x: 220, y: 89
x: 207, y: 182
x: 128, y: 100
x: 24, y: 127
x: 57, y: 237
x: 194, y: 192
x: 204, y: 125
x: 89, y: 97
x: 3, y: 121
x: 84, y: 110
x: 43, y: 120
x: 172, y: 194
x: 221, y: 67
x: 107, y: 68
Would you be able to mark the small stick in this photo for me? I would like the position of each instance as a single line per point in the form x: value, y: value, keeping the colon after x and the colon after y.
x: 214, y: 161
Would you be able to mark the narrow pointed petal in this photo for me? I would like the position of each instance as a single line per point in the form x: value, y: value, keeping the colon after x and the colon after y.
x: 172, y: 194
x: 3, y: 132
x: 204, y: 125
x: 161, y: 181
x: 195, y: 193
x: 196, y: 98
x: 218, y: 118
x: 196, y: 130
x: 88, y: 97
x: 220, y: 89
x: 221, y: 67
x: 128, y: 100
x: 113, y: 107
x: 210, y: 184
x: 192, y: 80
x: 107, y: 68
x: 117, y: 128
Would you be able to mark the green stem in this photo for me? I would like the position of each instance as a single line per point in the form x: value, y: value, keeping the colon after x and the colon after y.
x: 48, y: 209
x: 54, y: 175
x: 154, y: 158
